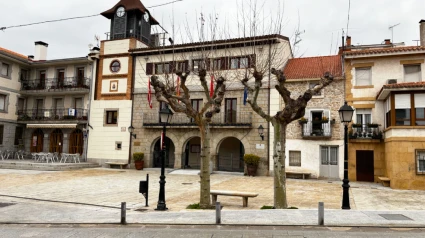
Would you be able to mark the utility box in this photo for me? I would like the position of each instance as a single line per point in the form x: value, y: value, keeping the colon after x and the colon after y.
x: 144, y: 188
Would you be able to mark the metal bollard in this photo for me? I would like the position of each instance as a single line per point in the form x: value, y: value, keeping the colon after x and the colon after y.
x: 321, y: 214
x: 217, y: 213
x: 123, y: 212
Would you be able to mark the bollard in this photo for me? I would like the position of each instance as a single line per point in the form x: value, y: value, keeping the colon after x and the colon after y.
x: 123, y: 214
x: 321, y: 214
x: 217, y: 213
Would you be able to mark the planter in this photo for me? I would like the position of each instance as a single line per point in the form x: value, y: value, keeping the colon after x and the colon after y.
x: 252, y: 169
x: 357, y: 126
x: 372, y: 125
x: 139, y: 164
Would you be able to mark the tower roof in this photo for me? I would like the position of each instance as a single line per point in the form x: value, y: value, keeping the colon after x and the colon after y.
x: 129, y: 5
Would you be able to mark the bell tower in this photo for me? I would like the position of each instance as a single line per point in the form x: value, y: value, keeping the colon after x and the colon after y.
x: 130, y: 19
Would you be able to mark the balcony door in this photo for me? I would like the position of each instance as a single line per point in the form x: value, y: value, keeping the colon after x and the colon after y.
x: 230, y: 110
x: 79, y: 107
x: 58, y: 107
x: 196, y: 104
x: 42, y: 78
x: 39, y: 108
x: 329, y: 162
x: 60, y: 77
x: 80, y: 76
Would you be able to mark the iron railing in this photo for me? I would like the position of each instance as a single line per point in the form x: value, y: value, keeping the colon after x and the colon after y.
x: 68, y: 83
x: 316, y: 128
x: 230, y: 163
x: 60, y: 114
x: 219, y: 119
x: 365, y: 131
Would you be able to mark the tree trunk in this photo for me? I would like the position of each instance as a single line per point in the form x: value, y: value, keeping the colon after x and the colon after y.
x: 280, y: 201
x: 205, y: 201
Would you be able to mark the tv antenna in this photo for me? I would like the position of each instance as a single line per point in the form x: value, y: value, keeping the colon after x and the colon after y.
x: 392, y: 31
x: 417, y: 42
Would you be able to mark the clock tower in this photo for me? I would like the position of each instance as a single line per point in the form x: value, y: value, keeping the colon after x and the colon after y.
x: 130, y: 18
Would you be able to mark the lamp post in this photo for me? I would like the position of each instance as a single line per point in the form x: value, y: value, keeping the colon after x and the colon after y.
x: 345, y: 114
x: 131, y: 130
x: 165, y: 115
x: 261, y: 131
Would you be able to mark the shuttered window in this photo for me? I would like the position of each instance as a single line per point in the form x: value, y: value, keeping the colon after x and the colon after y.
x: 412, y: 73
x: 420, y: 161
x: 1, y: 134
x: 402, y: 109
x: 2, y: 102
x: 363, y: 76
x: 420, y: 109
x: 294, y: 158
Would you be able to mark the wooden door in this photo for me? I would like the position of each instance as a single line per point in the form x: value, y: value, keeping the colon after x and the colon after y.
x: 42, y: 76
x: 76, y: 142
x: 365, y: 165
x: 56, y: 141
x: 61, y: 77
x: 80, y: 77
x: 37, y: 141
x: 39, y: 108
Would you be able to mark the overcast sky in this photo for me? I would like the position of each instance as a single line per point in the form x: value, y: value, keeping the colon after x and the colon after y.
x: 321, y: 20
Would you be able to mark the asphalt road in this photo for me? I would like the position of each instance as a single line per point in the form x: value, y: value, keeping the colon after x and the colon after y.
x: 111, y: 230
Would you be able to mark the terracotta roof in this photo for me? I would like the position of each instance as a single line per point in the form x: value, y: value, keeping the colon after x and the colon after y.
x: 405, y: 85
x: 9, y: 52
x: 407, y: 49
x: 313, y: 67
x: 129, y: 5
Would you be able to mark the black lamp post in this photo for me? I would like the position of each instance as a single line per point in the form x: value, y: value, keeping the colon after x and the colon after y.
x: 345, y: 114
x: 261, y: 131
x: 165, y: 115
x: 131, y: 130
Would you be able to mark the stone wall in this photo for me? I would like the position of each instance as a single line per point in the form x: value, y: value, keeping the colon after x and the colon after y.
x: 147, y: 137
x: 379, y: 163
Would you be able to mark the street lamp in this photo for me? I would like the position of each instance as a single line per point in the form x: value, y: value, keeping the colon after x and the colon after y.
x: 131, y: 130
x: 345, y: 114
x: 261, y: 131
x: 165, y: 116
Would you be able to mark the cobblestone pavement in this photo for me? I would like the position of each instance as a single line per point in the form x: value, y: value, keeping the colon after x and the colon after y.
x: 110, y: 187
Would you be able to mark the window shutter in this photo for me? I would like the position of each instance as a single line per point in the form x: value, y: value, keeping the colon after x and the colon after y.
x: 420, y: 100
x: 402, y: 101
x: 307, y: 114
x: 2, y: 102
x: 224, y: 63
x: 149, y: 68
x: 327, y: 114
x: 412, y: 73
x: 363, y: 76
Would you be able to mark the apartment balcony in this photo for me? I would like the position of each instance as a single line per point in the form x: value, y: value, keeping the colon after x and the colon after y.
x: 219, y: 120
x: 62, y: 115
x: 316, y: 130
x: 55, y: 85
x: 365, y: 132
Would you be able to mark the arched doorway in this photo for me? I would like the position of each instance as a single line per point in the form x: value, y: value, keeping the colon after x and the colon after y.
x: 169, y: 153
x: 56, y: 141
x: 37, y: 141
x: 230, y: 155
x: 192, y: 153
x: 76, y: 142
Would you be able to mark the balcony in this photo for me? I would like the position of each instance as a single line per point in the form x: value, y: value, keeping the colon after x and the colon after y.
x: 365, y: 131
x: 316, y: 130
x: 71, y: 84
x: 62, y: 114
x: 180, y: 120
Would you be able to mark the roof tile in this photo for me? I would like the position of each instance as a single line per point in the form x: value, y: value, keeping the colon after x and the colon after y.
x: 313, y: 67
x: 385, y: 50
x: 13, y: 53
x: 405, y: 85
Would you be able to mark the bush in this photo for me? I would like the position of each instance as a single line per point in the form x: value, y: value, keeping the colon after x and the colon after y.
x: 197, y: 206
x: 251, y: 159
x: 138, y: 156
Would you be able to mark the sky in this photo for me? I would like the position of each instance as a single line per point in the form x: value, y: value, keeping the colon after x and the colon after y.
x: 319, y: 22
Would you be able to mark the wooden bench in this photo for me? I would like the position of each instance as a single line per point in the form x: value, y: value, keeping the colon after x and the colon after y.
x: 244, y: 195
x: 304, y: 175
x: 385, y: 181
x: 121, y: 164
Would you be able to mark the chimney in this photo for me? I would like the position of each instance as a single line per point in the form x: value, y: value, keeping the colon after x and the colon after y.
x: 40, y: 50
x: 387, y: 41
x: 422, y: 32
x: 30, y: 57
x: 348, y: 43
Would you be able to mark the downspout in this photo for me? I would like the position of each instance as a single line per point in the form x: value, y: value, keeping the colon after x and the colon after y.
x: 133, y: 75
x: 93, y: 82
x: 268, y: 98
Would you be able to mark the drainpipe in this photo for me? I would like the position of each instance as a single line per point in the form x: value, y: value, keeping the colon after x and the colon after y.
x: 268, y: 124
x: 133, y: 75
x: 93, y: 82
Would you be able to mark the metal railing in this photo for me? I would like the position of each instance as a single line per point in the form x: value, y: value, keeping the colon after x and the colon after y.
x: 56, y: 83
x: 219, y: 119
x: 319, y: 128
x: 230, y: 163
x: 59, y: 114
x: 365, y: 131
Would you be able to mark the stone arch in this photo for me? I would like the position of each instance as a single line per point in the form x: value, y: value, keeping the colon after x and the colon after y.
x: 155, y: 153
x: 191, y: 155
x: 230, y: 152
x: 37, y: 141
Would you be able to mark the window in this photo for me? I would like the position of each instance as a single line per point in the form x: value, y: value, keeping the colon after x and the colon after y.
x: 402, y: 109
x: 294, y: 158
x: 19, y: 131
x: 230, y: 110
x: 21, y: 105
x: 363, y: 76
x: 181, y: 66
x: 1, y: 134
x: 363, y: 116
x: 5, y: 70
x: 420, y: 161
x: 112, y: 117
x: 412, y: 73
x: 115, y: 66
x: 3, y: 102
x: 216, y: 64
x: 198, y: 64
x: 329, y: 155
x: 196, y: 104
x: 312, y: 85
x: 118, y: 145
x: 239, y: 63
x: 162, y: 68
x: 420, y: 109
x: 24, y: 75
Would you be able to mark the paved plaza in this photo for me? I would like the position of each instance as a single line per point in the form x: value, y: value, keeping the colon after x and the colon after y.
x: 94, y: 196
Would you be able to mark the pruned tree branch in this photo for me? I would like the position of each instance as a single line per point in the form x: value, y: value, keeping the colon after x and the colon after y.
x: 255, y: 91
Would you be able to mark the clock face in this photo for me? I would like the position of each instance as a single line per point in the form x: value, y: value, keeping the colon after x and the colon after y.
x: 146, y: 17
x: 120, y: 12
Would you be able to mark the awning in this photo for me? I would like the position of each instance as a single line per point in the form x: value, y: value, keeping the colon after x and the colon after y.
x: 51, y: 125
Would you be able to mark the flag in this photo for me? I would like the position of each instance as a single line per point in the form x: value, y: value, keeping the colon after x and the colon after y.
x: 245, y: 95
x: 149, y: 93
x: 212, y: 86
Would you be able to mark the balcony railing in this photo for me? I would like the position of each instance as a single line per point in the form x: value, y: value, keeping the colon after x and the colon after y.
x: 219, y: 119
x: 68, y: 83
x: 365, y: 131
x: 62, y: 114
x: 316, y: 129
